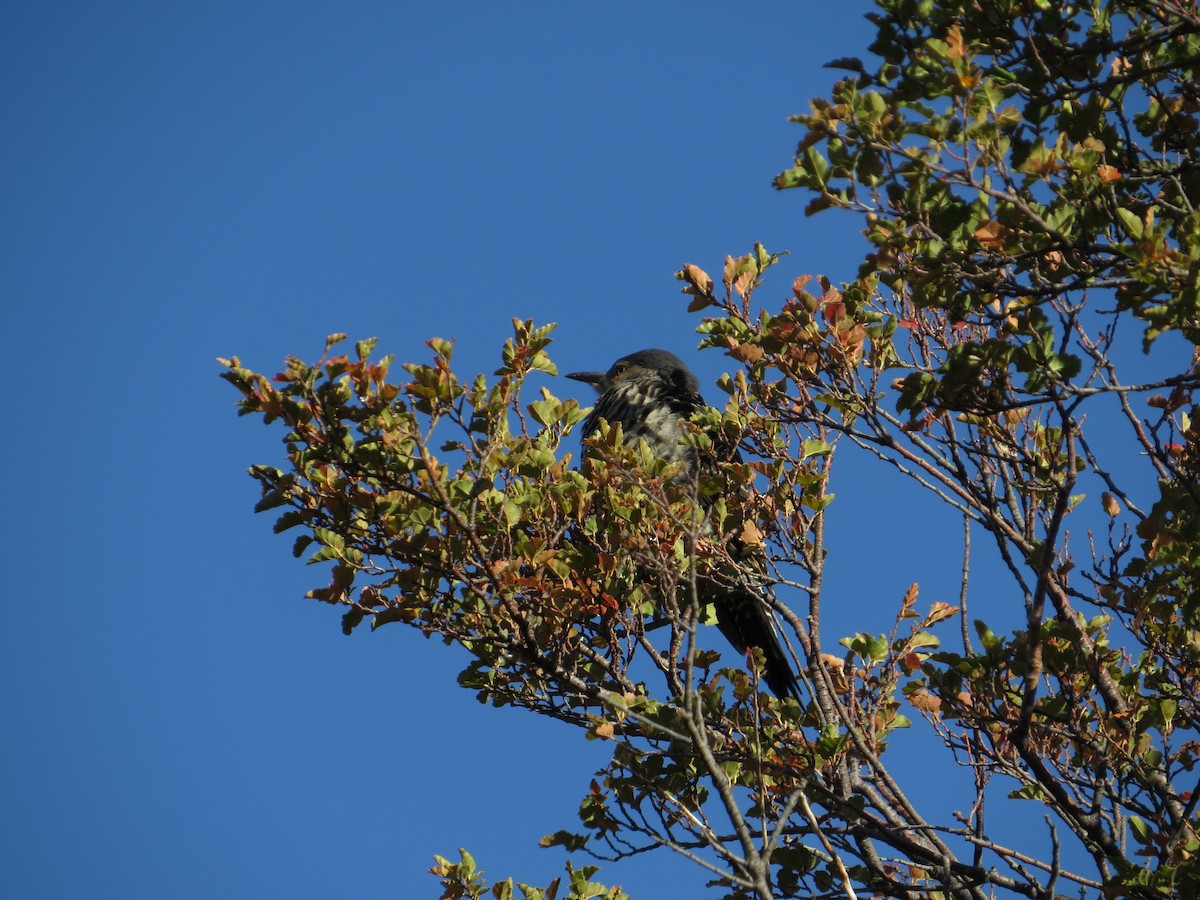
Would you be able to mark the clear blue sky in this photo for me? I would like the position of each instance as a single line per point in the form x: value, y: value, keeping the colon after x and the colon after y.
x: 190, y: 180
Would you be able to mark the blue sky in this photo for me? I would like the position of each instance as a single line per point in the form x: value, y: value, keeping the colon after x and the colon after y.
x: 187, y: 181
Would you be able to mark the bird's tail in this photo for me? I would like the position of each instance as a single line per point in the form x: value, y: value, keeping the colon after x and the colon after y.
x: 743, y: 618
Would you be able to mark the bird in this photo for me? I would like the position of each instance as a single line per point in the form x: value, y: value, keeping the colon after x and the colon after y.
x: 652, y: 394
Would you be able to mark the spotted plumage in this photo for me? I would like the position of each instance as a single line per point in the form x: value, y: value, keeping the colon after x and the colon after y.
x: 649, y: 393
x: 652, y: 394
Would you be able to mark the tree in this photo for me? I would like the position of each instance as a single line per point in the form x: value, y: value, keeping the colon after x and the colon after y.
x: 1028, y: 173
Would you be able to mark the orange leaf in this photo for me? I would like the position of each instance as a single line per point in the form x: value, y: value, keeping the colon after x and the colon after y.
x: 743, y: 282
x: 991, y: 234
x: 940, y: 611
x: 747, y: 353
x: 750, y: 534
x: 925, y: 702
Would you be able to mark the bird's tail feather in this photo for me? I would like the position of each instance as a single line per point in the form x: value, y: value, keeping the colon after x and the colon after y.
x: 743, y: 618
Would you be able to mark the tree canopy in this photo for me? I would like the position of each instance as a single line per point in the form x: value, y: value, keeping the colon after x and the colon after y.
x: 1020, y: 341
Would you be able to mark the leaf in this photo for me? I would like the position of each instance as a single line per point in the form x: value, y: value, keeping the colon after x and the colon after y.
x: 747, y: 353
x: 956, y: 48
x: 351, y: 620
x: 329, y: 538
x: 923, y: 639
x: 272, y: 499
x: 812, y: 447
x: 751, y: 536
x: 991, y: 234
x: 987, y: 636
x: 696, y: 277
x: 512, y: 513
x: 925, y: 701
x: 566, y: 839
x: 1029, y: 792
x: 819, y: 203
x: 940, y: 611
x: 817, y: 165
x: 544, y: 412
x: 363, y: 348
x: 1132, y: 222
x: 848, y: 63
x: 1141, y: 831
x: 291, y: 519
x: 324, y: 555
x: 836, y: 666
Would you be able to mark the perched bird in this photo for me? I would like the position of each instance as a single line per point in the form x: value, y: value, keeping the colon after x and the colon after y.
x: 651, y: 394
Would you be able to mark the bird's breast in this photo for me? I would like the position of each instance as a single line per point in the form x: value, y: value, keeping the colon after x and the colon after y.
x: 662, y: 430
x: 643, y: 413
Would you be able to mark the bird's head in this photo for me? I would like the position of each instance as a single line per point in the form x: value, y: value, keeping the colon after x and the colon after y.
x: 660, y: 365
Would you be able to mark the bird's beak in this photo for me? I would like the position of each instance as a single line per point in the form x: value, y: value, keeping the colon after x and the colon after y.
x: 595, y: 379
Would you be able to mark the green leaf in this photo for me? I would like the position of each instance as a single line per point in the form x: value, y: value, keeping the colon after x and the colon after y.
x: 1132, y: 222
x: 324, y: 555
x: 1029, y: 792
x: 812, y: 447
x: 327, y: 537
x: 544, y: 412
x: 1141, y: 831
x: 291, y: 519
x: 988, y: 638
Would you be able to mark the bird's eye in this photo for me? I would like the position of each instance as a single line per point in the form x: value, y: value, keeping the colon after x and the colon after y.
x: 619, y: 368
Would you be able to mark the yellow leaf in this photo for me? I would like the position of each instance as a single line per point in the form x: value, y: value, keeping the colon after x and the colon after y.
x: 698, y: 277
x: 954, y: 40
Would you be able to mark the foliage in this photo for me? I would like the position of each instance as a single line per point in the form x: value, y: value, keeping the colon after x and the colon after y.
x: 463, y: 880
x: 1029, y: 177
